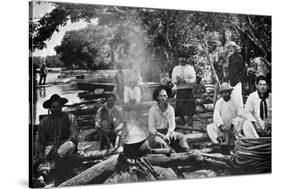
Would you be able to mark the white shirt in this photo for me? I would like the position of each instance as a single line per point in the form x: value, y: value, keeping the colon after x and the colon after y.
x: 187, y: 73
x: 252, y: 108
x: 225, y: 112
x: 132, y: 93
x: 161, y: 120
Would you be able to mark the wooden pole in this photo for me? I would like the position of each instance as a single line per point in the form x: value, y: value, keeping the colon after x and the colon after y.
x: 205, y: 47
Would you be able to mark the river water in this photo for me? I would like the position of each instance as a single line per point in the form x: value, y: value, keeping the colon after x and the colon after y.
x: 66, y: 90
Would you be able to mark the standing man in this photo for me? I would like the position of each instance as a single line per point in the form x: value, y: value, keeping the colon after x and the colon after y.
x: 161, y: 122
x: 109, y: 123
x: 132, y: 93
x: 184, y: 77
x: 120, y: 82
x: 226, y: 120
x: 236, y: 69
x: 43, y: 73
x: 57, y: 136
x: 258, y: 111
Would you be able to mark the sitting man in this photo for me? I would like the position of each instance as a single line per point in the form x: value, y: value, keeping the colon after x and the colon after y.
x: 161, y: 122
x: 57, y: 136
x: 132, y: 164
x: 109, y: 123
x: 258, y: 111
x: 226, y: 121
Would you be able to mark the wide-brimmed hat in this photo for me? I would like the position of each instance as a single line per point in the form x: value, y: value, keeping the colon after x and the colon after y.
x: 225, y: 87
x: 232, y: 44
x: 54, y: 98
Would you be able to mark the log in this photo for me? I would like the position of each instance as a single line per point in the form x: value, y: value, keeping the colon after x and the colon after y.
x: 190, y: 128
x: 174, y: 159
x: 217, y: 156
x: 197, y: 137
x: 93, y: 172
x: 94, y: 155
x: 193, y: 158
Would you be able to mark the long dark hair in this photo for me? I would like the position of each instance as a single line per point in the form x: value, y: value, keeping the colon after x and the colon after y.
x: 157, y: 91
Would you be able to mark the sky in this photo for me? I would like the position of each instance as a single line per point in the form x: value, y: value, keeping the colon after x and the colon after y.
x: 40, y: 10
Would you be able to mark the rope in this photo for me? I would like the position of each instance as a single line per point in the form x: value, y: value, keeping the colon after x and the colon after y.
x: 252, y: 155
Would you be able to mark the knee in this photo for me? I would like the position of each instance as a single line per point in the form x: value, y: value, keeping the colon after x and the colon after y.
x: 248, y: 125
x: 210, y: 127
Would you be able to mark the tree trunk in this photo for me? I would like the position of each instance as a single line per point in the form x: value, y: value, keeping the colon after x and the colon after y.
x: 106, y: 166
x: 185, y: 127
x: 197, y: 137
x: 205, y: 47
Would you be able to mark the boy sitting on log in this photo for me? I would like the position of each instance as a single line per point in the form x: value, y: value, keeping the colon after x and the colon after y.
x: 109, y: 123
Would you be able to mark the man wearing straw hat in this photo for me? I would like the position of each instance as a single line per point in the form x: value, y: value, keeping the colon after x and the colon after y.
x: 57, y: 135
x: 236, y: 71
x: 226, y: 120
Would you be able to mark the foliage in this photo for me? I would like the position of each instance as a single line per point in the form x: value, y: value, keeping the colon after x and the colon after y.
x: 51, y: 61
x: 151, y: 38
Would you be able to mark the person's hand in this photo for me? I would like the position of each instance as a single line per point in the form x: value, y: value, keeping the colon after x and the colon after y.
x: 48, y: 150
x: 179, y: 80
x: 105, y: 126
x: 222, y: 128
x: 267, y: 126
x: 167, y: 139
x: 171, y: 136
x: 230, y: 128
x: 221, y: 139
x: 164, y: 137
x: 160, y: 141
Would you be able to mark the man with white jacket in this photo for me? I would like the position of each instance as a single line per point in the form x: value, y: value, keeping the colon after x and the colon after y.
x: 226, y: 117
x: 258, y: 111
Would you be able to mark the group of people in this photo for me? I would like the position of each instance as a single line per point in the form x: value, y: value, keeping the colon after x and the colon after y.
x: 116, y: 126
x: 123, y: 125
x: 230, y: 119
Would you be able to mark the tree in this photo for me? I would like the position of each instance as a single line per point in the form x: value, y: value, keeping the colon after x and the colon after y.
x: 163, y: 32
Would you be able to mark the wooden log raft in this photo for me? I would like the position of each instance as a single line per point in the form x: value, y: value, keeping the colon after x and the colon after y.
x: 108, y: 166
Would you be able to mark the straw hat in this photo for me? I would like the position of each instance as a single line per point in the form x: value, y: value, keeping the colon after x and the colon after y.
x: 232, y: 44
x: 225, y: 87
